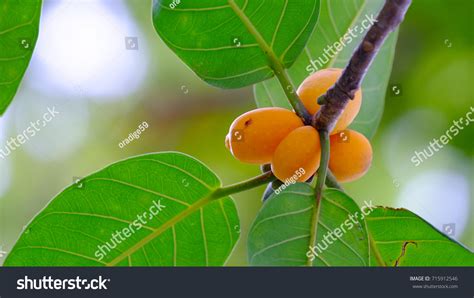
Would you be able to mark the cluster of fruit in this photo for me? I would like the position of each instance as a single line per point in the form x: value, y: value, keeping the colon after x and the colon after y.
x: 279, y: 137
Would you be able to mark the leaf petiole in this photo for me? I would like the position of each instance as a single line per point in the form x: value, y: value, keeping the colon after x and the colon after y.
x: 290, y: 93
x: 244, y: 185
x: 275, y: 64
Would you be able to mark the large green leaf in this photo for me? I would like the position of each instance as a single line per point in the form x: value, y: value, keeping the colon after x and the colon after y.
x: 19, y: 23
x: 220, y: 39
x: 280, y: 235
x: 192, y: 229
x: 404, y: 239
x: 336, y: 17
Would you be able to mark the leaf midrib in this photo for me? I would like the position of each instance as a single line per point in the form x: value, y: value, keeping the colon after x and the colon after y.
x: 170, y: 223
x: 215, y: 194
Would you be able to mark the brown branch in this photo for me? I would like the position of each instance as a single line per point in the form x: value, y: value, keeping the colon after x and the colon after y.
x: 337, y: 97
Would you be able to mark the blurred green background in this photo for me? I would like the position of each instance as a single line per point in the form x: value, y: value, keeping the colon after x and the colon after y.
x: 104, y: 91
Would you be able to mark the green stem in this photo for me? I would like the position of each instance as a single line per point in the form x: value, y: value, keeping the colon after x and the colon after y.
x: 322, y: 172
x: 290, y: 92
x: 375, y: 250
x: 275, y: 65
x: 331, y: 181
x: 244, y: 185
x: 323, y: 166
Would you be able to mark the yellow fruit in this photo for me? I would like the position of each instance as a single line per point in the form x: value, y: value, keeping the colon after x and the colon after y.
x: 351, y: 155
x: 316, y: 85
x: 297, y: 155
x: 254, y: 136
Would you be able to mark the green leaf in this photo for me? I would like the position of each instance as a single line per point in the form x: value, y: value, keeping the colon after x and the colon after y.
x: 228, y: 42
x: 193, y: 229
x: 19, y: 24
x: 335, y: 20
x: 404, y: 239
x: 280, y: 235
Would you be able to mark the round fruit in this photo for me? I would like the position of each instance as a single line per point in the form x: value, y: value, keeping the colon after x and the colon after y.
x: 351, y: 155
x: 317, y: 84
x: 298, y: 155
x: 254, y: 136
